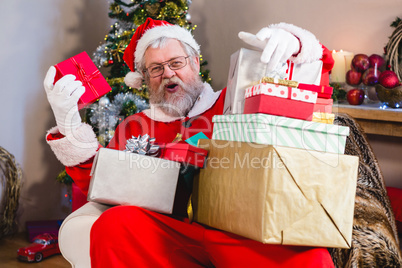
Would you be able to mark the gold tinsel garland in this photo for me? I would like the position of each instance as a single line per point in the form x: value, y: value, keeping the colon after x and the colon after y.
x: 11, y: 180
x: 392, y: 50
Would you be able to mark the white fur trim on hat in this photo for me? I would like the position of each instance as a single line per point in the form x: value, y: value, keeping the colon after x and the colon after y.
x: 134, y: 79
x: 76, y: 148
x: 169, y: 31
x: 311, y: 49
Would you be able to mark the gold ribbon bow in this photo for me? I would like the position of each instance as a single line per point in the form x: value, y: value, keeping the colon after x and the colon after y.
x: 282, y: 82
x: 85, y: 78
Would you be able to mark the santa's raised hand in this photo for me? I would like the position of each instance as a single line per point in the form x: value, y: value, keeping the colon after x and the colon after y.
x: 63, y: 97
x: 277, y: 46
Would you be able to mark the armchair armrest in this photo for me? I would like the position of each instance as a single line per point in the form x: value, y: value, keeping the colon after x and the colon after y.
x: 75, y: 231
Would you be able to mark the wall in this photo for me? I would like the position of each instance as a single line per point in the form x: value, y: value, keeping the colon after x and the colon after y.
x: 359, y: 26
x: 37, y: 34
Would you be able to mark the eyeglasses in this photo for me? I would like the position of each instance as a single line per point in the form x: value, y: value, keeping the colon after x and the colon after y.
x: 174, y: 64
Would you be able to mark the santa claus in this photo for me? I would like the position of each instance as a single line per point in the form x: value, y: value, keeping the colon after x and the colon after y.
x: 166, y: 57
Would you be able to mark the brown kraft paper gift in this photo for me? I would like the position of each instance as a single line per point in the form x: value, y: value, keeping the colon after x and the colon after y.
x: 277, y: 195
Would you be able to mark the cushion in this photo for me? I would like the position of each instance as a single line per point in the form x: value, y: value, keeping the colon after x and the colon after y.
x: 395, y: 196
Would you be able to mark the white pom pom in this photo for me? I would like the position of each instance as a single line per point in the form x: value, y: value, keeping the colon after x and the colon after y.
x: 133, y: 79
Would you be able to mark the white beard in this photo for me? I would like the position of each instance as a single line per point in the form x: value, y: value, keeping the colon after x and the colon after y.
x: 177, y: 104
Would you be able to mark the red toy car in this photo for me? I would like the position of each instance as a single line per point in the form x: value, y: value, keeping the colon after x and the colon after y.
x: 43, y: 246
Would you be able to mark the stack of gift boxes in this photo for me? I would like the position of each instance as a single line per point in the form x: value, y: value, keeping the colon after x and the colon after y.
x: 286, y: 113
x: 276, y: 170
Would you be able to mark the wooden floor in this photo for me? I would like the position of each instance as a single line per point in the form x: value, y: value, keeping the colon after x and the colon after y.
x: 8, y: 254
x: 10, y: 245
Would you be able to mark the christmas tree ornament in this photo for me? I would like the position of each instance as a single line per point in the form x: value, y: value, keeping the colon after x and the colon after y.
x: 104, y: 101
x: 152, y: 9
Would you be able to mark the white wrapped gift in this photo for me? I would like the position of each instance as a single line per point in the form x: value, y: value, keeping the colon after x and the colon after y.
x: 246, y: 70
x: 125, y: 178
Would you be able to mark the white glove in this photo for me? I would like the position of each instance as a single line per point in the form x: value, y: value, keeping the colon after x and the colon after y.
x: 63, y: 97
x: 277, y: 46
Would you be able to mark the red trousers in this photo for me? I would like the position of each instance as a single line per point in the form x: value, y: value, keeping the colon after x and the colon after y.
x: 129, y: 236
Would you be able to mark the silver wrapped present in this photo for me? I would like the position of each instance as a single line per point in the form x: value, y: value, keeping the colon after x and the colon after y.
x: 125, y: 178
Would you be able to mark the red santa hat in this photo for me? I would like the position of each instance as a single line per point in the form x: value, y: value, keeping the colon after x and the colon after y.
x: 144, y: 35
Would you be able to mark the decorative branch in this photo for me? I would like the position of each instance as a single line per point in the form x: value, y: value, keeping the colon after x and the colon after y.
x: 11, y: 180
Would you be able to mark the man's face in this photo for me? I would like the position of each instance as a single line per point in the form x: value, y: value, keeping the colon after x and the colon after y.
x: 175, y: 91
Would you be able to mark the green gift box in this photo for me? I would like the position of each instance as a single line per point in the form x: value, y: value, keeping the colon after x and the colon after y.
x: 282, y: 131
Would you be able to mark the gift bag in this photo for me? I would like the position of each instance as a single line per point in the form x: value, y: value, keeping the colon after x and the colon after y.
x: 246, y: 70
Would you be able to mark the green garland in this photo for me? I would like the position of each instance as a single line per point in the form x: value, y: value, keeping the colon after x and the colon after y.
x: 339, y: 93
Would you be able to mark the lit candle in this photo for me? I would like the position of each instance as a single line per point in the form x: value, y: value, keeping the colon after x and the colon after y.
x: 342, y: 60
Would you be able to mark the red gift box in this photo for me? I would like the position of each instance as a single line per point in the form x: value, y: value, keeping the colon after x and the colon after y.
x: 184, y: 153
x: 323, y: 105
x: 322, y: 91
x: 279, y: 106
x: 86, y: 71
x: 280, y: 91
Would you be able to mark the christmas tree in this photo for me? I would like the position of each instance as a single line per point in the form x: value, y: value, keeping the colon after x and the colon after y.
x: 105, y: 114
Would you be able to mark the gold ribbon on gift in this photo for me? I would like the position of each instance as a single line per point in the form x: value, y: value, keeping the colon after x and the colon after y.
x: 178, y: 137
x: 327, y: 118
x: 86, y: 78
x: 190, y: 212
x: 282, y: 82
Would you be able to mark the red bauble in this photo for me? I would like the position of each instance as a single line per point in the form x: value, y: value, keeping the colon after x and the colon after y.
x: 388, y: 79
x: 355, y: 96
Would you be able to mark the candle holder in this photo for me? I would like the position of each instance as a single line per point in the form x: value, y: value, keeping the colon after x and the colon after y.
x: 370, y: 94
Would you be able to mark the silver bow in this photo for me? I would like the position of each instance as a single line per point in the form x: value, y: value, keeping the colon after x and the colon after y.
x: 143, y: 145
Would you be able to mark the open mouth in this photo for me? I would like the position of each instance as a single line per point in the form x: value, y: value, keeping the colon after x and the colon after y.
x: 171, y: 87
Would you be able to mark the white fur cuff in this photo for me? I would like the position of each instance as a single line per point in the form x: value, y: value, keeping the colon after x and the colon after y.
x: 76, y: 148
x: 311, y: 49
